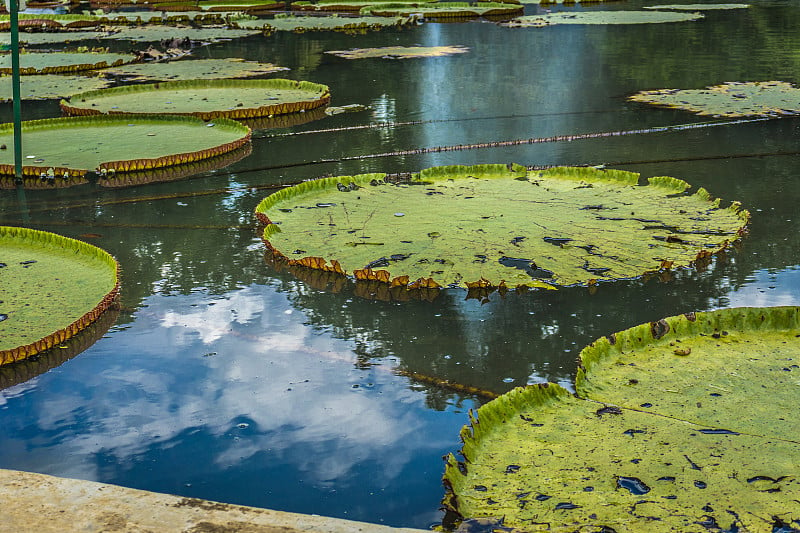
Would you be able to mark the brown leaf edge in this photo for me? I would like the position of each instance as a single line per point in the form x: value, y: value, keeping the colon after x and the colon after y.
x: 57, y: 337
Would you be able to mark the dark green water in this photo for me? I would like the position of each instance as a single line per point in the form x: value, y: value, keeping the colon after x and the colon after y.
x: 227, y: 380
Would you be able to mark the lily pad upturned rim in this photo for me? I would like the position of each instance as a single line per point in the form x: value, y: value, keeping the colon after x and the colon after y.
x: 131, y: 165
x: 69, y: 68
x: 72, y: 107
x: 487, y: 171
x: 79, y: 247
x: 522, y: 403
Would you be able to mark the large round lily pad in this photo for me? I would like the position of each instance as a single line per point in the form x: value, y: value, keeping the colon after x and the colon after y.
x: 193, y: 69
x: 444, y: 10
x: 399, y: 52
x: 62, y: 62
x: 51, y: 86
x: 600, y: 17
x: 732, y: 99
x: 51, y: 287
x: 64, y: 148
x: 300, y: 24
x: 205, y: 99
x: 684, y: 424
x: 697, y: 7
x: 155, y: 34
x: 497, y: 225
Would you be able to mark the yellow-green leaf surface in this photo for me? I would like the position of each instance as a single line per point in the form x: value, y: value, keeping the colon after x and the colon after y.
x: 154, y: 34
x: 206, y: 99
x: 663, y: 436
x: 697, y: 7
x: 329, y: 23
x: 706, y: 368
x: 194, y: 69
x: 399, y: 52
x: 459, y: 225
x: 117, y: 142
x: 443, y: 9
x: 45, y: 86
x: 55, y: 62
x: 601, y: 17
x: 732, y: 99
x: 61, y: 37
x: 48, y: 284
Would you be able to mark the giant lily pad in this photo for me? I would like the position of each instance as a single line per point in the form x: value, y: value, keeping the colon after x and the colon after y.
x: 732, y: 99
x: 194, y: 69
x: 47, y: 86
x: 697, y: 7
x: 399, y: 52
x: 63, y: 37
x: 299, y: 24
x: 64, y: 148
x: 444, y: 10
x: 51, y: 287
x: 205, y: 99
x: 62, y: 62
x: 156, y: 34
x: 493, y: 225
x: 684, y: 424
x: 600, y: 17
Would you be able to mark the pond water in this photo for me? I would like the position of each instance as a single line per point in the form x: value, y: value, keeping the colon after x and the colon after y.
x: 223, y: 378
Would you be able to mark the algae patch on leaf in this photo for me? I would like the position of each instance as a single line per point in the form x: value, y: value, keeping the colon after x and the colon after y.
x: 51, y: 287
x: 731, y: 99
x: 497, y: 226
x: 399, y: 52
x: 653, y: 440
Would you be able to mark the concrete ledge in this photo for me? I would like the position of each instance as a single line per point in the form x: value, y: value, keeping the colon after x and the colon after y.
x: 44, y: 504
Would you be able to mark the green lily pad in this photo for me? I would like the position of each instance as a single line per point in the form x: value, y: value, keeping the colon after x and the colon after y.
x: 62, y: 37
x: 332, y: 23
x: 732, y: 99
x: 697, y: 7
x: 253, y: 7
x: 62, y: 62
x: 51, y: 287
x: 65, y: 148
x: 444, y: 10
x: 206, y: 99
x: 48, y: 86
x: 156, y: 34
x: 601, y: 17
x: 497, y: 225
x: 624, y: 456
x: 399, y: 52
x: 194, y: 69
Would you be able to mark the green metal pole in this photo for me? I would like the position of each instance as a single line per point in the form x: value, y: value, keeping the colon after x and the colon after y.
x: 13, y: 11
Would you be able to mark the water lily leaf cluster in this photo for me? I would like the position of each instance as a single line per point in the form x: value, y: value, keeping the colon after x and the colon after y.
x: 193, y: 69
x: 251, y: 7
x: 207, y: 99
x: 399, y: 52
x: 117, y: 144
x: 732, y: 99
x: 601, y: 17
x: 497, y: 226
x: 50, y: 86
x: 62, y: 62
x: 51, y: 287
x: 683, y: 424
